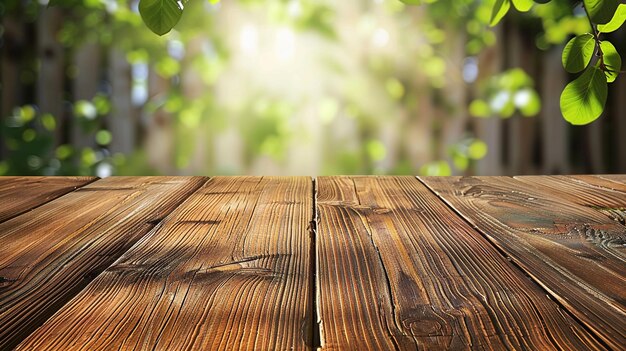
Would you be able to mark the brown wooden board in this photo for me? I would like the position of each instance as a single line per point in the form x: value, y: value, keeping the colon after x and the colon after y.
x: 603, y: 181
x: 229, y: 269
x: 614, y: 177
x: 399, y: 269
x: 605, y: 196
x: 48, y: 254
x: 20, y: 194
x: 575, y: 252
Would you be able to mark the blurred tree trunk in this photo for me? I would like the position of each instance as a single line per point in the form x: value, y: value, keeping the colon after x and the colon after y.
x: 618, y: 151
x: 521, y: 130
x: 88, y: 63
x: 193, y: 88
x: 50, y: 81
x: 489, y: 129
x: 555, y: 150
x: 13, y: 41
x: 419, y: 131
x: 455, y: 113
x: 619, y: 115
x: 159, y: 140
x: 595, y: 145
x: 121, y: 121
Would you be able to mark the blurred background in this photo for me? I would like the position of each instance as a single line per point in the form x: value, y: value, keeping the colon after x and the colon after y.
x: 296, y: 87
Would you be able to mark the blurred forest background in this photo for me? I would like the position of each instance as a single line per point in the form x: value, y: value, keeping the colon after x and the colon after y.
x: 306, y: 87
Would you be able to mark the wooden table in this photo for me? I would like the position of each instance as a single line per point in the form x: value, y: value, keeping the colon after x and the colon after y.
x: 278, y: 263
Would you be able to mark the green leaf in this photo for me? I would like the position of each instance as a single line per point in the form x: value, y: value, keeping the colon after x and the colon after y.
x: 523, y: 5
x: 479, y: 108
x: 411, y: 2
x: 528, y: 102
x: 500, y: 9
x: 542, y: 1
x: 477, y: 149
x: 578, y: 52
x: 612, y: 61
x: 160, y: 15
x: 601, y: 11
x: 63, y: 3
x: 616, y: 22
x: 583, y: 99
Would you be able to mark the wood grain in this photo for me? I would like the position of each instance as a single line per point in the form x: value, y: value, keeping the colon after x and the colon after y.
x: 50, y: 253
x: 603, y: 181
x: 605, y: 196
x: 399, y: 270
x: 20, y: 194
x: 575, y: 252
x: 614, y: 177
x: 229, y: 269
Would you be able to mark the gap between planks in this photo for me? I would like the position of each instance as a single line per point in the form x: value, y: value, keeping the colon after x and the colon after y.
x: 316, y: 320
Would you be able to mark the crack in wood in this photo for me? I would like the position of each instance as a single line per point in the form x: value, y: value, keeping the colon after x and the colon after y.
x: 315, y: 322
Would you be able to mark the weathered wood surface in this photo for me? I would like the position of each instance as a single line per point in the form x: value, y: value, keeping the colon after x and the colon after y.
x: 228, y: 269
x: 574, y: 251
x: 49, y: 254
x: 605, y: 196
x: 246, y: 263
x: 615, y: 177
x: 603, y: 181
x: 20, y: 194
x: 399, y: 269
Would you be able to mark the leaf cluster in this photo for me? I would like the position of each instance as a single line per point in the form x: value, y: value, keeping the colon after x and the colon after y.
x: 583, y: 99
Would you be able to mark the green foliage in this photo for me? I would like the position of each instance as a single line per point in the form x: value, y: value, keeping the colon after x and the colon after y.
x: 522, y: 5
x: 29, y: 137
x: 462, y: 156
x: 412, y: 2
x: 436, y: 168
x: 611, y: 60
x: 601, y: 11
x: 510, y: 91
x: 161, y: 15
x: 583, y: 99
x: 578, y: 52
x: 500, y: 9
x: 616, y: 22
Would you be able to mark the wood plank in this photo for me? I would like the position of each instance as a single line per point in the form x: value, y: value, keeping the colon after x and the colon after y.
x: 398, y: 269
x: 229, y: 269
x: 615, y: 177
x: 574, y: 252
x: 605, y: 196
x: 50, y: 253
x: 585, y: 191
x: 20, y: 194
x: 604, y: 181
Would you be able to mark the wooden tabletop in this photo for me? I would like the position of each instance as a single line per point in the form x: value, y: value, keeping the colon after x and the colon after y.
x: 331, y: 263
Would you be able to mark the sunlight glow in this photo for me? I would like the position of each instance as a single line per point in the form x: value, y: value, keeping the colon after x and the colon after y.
x: 285, y: 44
x: 294, y: 9
x: 380, y: 37
x: 249, y: 39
